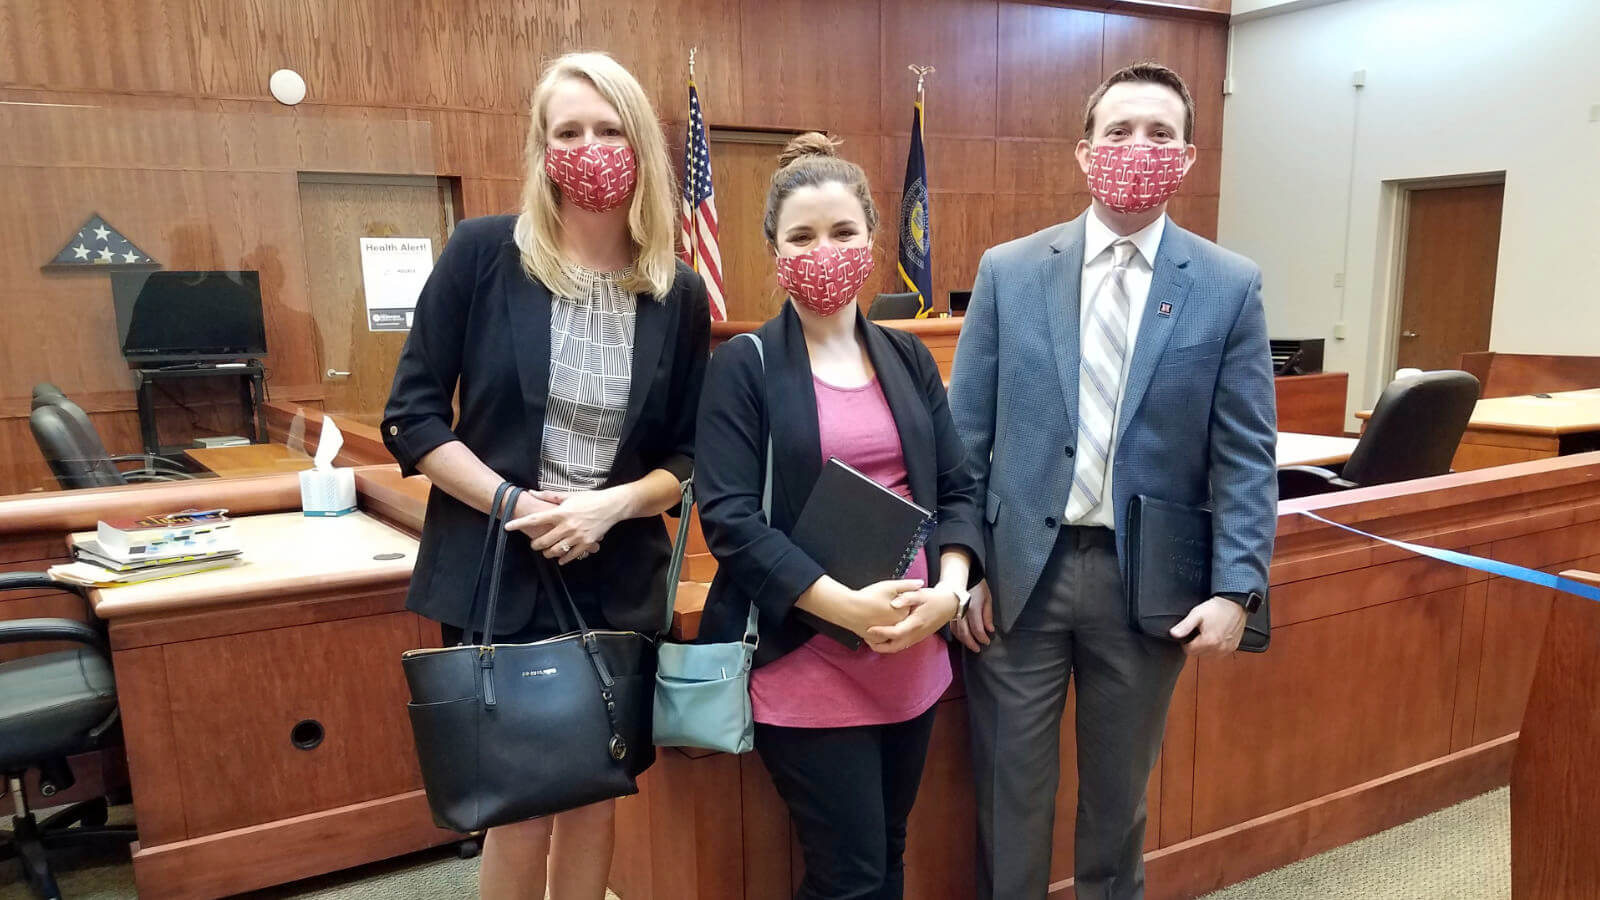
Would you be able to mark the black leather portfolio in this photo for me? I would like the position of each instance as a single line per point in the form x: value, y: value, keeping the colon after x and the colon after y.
x: 1169, y: 570
x: 860, y: 532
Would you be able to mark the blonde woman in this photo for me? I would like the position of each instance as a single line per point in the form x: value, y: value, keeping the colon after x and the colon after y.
x: 578, y: 345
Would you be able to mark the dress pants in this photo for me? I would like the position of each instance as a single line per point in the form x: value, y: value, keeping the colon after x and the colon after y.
x: 1074, y: 625
x: 849, y: 792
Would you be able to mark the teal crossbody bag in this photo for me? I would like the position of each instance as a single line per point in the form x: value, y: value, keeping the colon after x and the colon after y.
x: 703, y: 690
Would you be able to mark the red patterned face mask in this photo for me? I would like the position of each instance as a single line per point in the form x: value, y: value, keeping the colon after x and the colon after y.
x: 826, y: 279
x: 596, y: 177
x: 1135, y: 177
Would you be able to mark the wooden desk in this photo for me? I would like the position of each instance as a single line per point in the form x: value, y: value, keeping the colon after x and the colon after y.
x: 1517, y: 429
x: 264, y: 709
x: 1554, y: 781
x: 1313, y: 449
x: 249, y: 459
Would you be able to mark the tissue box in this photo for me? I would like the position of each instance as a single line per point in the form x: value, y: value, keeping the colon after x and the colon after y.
x: 328, y: 492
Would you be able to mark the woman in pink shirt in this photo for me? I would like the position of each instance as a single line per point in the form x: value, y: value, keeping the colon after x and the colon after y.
x: 843, y: 731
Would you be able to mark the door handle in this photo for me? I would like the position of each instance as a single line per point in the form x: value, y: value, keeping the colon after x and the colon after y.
x: 1404, y: 334
x: 335, y: 373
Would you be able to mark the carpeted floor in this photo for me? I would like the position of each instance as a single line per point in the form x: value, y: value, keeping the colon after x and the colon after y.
x: 1460, y: 853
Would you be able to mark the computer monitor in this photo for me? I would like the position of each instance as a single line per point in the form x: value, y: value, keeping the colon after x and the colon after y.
x: 197, y: 316
x: 959, y: 301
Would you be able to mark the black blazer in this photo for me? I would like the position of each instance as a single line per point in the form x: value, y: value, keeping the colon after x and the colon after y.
x: 740, y: 403
x: 482, y: 326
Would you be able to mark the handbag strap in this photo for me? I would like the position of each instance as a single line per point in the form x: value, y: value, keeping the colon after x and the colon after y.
x: 495, y: 519
x: 501, y: 514
x: 675, y: 567
x: 751, y: 634
x: 555, y: 587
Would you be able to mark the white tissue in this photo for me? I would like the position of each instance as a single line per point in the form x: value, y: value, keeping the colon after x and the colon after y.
x: 324, y: 489
x: 329, y: 445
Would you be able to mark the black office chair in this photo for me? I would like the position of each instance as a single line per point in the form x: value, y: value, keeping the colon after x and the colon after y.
x: 1413, y: 433
x: 894, y: 306
x: 52, y: 706
x: 75, y: 453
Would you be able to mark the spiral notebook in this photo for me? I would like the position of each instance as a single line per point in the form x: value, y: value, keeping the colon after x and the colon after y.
x: 860, y: 532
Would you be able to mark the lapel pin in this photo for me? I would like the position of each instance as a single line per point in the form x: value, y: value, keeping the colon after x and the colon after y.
x: 1165, y: 309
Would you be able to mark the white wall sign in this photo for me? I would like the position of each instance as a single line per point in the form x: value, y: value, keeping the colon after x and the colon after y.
x: 393, y: 271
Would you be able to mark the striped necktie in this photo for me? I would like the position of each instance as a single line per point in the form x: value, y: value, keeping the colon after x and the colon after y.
x: 1105, y: 348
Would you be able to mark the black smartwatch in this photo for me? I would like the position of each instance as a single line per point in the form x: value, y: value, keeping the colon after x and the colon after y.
x: 1250, y: 601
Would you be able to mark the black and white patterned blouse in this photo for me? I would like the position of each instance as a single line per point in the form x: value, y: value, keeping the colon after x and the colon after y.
x: 591, y: 372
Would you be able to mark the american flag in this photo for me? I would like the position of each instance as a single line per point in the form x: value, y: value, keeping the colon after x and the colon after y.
x: 700, y: 249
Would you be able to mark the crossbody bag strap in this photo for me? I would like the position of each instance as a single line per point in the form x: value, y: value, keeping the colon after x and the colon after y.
x: 675, y: 567
x: 751, y: 634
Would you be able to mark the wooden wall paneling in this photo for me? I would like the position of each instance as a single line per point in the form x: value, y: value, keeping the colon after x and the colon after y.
x: 1198, y: 214
x: 476, y: 145
x: 942, y: 861
x: 140, y: 45
x: 1171, y: 42
x: 1339, y: 700
x: 963, y: 228
x: 1212, y: 861
x: 1029, y: 166
x: 955, y: 165
x: 1053, y: 60
x: 237, y: 45
x: 1378, y: 583
x: 1514, y: 619
x: 1473, y: 620
x: 1176, y: 822
x: 99, y: 130
x: 770, y: 871
x: 1017, y: 215
x: 653, y: 39
x: 799, y: 74
x: 1211, y: 66
x: 243, y: 740
x: 959, y: 38
x: 490, y: 196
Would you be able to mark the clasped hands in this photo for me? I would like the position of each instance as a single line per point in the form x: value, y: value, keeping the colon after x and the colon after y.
x: 567, y: 527
x: 893, y: 615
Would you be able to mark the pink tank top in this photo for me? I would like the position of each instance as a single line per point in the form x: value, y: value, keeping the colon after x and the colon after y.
x: 822, y: 684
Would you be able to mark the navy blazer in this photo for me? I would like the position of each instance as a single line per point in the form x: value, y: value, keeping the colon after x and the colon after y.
x: 741, y: 403
x: 482, y: 326
x: 1198, y: 422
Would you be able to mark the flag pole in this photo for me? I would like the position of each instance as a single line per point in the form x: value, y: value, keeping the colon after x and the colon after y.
x: 922, y: 73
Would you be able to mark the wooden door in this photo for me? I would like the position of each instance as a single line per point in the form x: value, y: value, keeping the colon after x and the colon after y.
x: 742, y: 172
x: 1447, y: 298
x: 335, y: 213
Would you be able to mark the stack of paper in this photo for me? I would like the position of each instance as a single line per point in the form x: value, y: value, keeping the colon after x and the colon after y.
x: 152, y: 547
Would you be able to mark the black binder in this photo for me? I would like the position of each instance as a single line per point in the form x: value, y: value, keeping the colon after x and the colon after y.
x: 1169, y: 570
x: 860, y: 532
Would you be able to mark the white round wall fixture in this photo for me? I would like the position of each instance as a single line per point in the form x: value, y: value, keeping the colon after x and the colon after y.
x: 287, y: 86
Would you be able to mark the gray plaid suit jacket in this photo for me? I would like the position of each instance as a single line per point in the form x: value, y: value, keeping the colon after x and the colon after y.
x: 1198, y: 422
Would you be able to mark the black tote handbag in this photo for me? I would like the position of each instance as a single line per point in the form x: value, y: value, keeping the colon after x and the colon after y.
x: 507, y: 732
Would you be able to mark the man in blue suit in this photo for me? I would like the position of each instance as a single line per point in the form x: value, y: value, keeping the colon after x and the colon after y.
x: 1112, y: 356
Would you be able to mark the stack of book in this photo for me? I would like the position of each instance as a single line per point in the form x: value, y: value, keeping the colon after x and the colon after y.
x: 151, y: 547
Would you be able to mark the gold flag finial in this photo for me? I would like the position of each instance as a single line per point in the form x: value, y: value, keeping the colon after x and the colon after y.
x: 692, y: 52
x: 922, y: 72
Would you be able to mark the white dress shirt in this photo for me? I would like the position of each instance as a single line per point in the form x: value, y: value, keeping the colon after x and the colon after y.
x: 1097, y: 259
